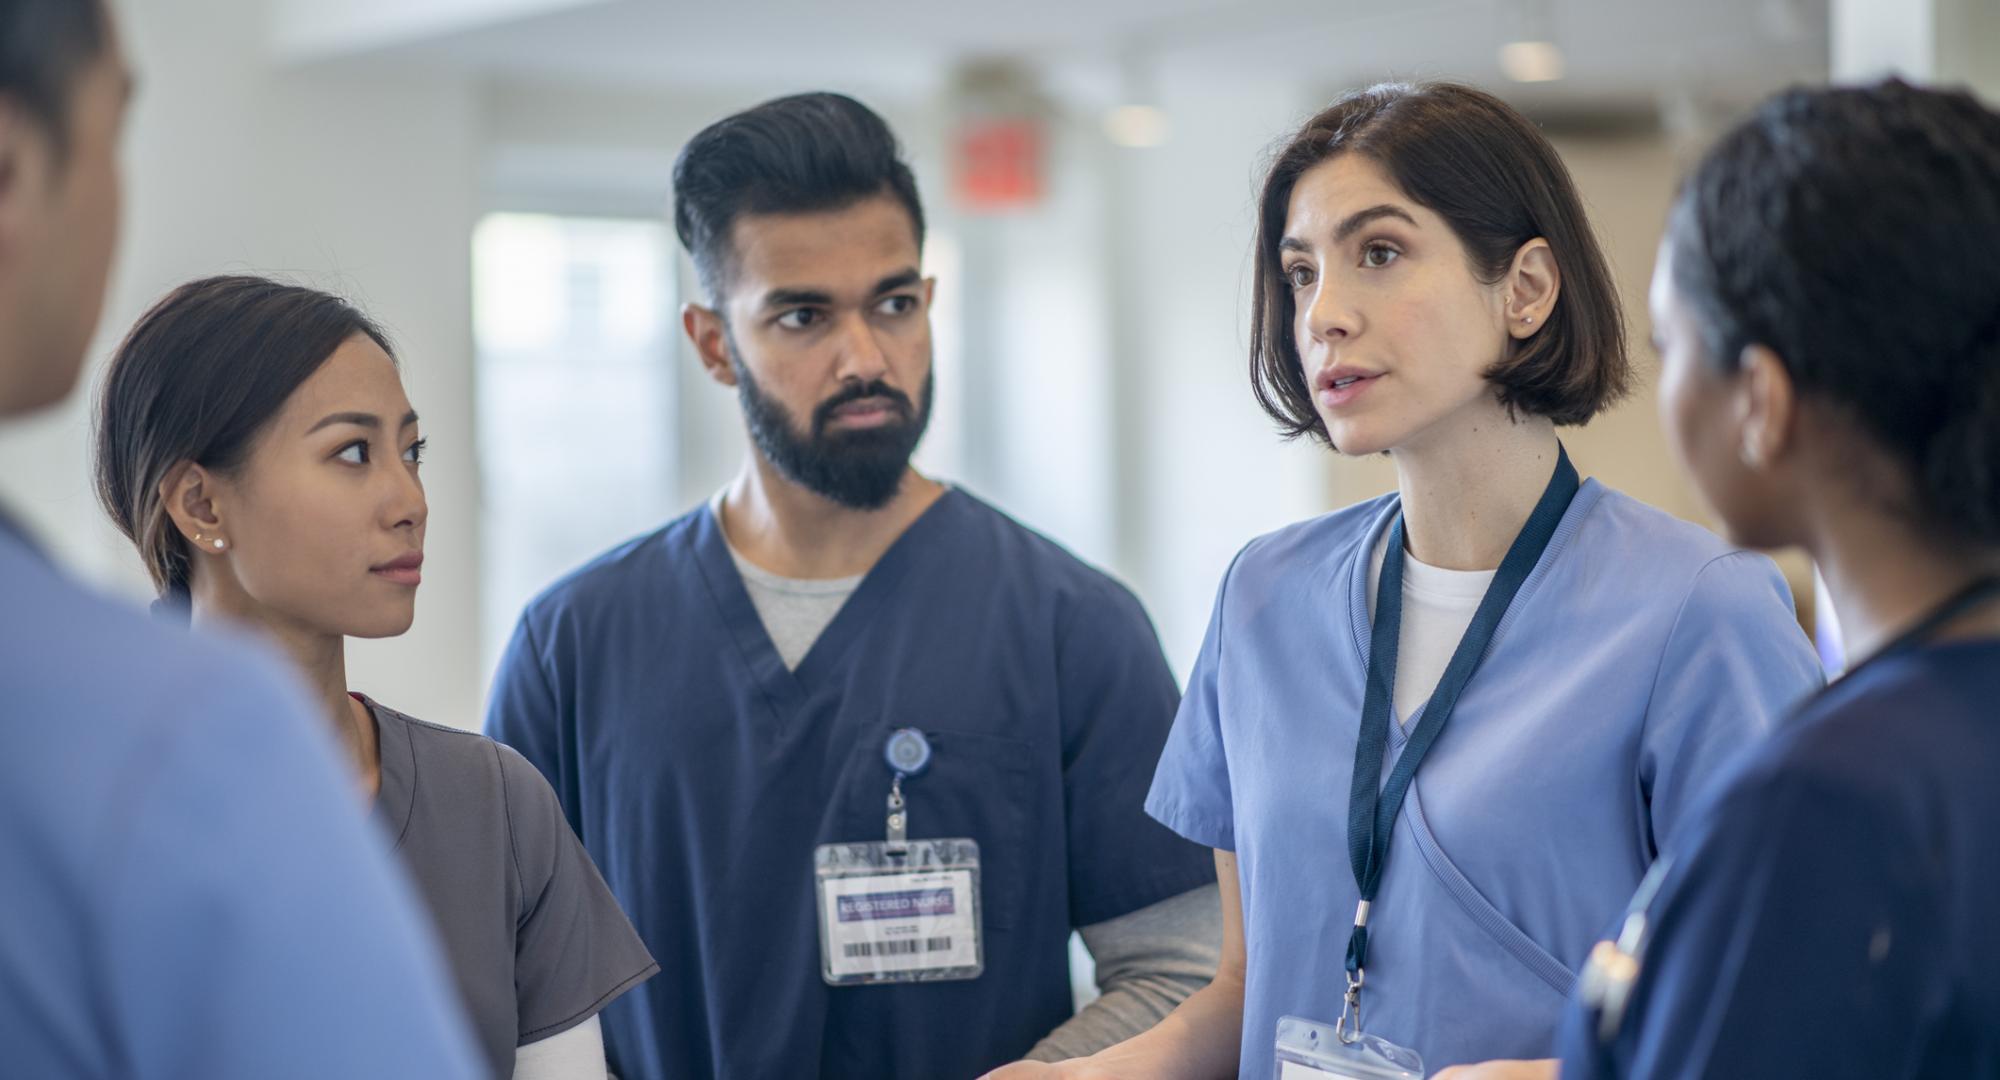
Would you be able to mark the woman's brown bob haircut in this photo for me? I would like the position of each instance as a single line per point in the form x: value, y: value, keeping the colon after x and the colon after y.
x: 1474, y: 161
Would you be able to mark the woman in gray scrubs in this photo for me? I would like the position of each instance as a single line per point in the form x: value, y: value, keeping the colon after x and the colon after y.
x: 255, y: 443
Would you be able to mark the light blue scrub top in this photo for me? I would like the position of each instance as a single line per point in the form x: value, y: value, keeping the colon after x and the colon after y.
x: 191, y: 888
x: 1639, y: 655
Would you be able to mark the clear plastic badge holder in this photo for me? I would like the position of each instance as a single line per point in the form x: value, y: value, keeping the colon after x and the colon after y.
x: 1313, y: 1051
x: 902, y: 910
x: 889, y: 916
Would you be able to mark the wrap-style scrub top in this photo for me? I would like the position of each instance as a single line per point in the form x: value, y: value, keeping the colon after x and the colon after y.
x: 1639, y: 654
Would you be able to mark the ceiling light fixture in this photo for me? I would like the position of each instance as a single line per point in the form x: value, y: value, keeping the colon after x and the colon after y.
x: 1136, y: 126
x: 1531, y: 61
x: 1137, y: 121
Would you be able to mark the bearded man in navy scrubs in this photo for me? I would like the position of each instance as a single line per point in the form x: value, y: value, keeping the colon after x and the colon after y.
x: 855, y: 750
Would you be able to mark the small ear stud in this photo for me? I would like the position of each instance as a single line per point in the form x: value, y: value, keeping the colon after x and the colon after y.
x: 1529, y: 319
x: 216, y: 543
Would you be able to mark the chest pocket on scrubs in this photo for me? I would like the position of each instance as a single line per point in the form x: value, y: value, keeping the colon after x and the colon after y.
x: 976, y: 786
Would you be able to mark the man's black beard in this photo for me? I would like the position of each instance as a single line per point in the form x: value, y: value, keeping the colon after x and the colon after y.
x: 861, y: 469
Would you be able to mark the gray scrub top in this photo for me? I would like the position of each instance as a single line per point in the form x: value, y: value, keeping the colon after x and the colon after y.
x: 536, y: 940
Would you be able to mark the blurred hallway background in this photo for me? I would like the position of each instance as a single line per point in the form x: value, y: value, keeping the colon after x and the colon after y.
x: 489, y: 178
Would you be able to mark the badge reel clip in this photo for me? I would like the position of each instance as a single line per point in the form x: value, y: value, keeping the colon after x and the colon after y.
x: 908, y: 753
x: 900, y: 910
x: 1309, y: 1050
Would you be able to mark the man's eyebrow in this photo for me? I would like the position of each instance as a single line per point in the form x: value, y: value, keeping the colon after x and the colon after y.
x: 777, y: 298
x: 902, y: 279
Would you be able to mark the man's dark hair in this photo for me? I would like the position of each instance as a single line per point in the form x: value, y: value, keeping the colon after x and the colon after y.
x: 1855, y: 232
x: 800, y: 154
x: 45, y: 46
x: 1493, y: 177
x: 198, y: 379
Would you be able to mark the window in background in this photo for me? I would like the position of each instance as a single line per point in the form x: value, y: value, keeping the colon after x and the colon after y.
x: 572, y: 322
x: 943, y: 453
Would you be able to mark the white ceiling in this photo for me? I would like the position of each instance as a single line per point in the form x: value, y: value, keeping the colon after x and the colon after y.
x: 1615, y: 51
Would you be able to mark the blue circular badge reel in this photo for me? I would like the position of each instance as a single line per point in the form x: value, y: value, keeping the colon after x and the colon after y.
x: 908, y: 752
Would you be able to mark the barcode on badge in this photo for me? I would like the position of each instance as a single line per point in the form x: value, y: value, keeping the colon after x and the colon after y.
x: 861, y: 950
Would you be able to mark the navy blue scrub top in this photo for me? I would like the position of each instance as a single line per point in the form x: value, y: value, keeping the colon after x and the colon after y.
x: 1833, y: 914
x: 701, y: 774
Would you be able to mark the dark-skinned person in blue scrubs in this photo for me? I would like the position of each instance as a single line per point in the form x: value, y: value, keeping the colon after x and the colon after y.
x: 856, y: 750
x: 191, y: 889
x: 256, y: 446
x: 1827, y: 307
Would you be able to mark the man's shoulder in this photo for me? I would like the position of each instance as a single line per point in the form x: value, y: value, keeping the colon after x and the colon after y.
x: 1029, y: 560
x: 125, y: 722
x: 70, y: 653
x: 621, y: 575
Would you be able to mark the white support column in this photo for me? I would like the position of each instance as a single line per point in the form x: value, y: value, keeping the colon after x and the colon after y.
x: 1933, y: 41
x: 1969, y: 45
x: 1944, y: 42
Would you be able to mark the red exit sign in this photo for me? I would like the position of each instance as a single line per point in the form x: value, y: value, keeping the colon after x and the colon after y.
x: 999, y: 163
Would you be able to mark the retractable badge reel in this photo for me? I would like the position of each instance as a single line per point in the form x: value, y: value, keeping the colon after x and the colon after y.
x: 899, y: 910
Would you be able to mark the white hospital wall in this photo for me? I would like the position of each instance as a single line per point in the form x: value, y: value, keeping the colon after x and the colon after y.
x: 1202, y: 470
x: 359, y: 182
x: 1100, y: 380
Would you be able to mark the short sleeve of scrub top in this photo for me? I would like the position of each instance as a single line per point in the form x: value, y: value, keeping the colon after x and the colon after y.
x: 1734, y: 648
x: 1828, y: 912
x: 576, y: 951
x: 1639, y: 656
x: 536, y: 939
x: 1191, y: 791
x: 1114, y: 683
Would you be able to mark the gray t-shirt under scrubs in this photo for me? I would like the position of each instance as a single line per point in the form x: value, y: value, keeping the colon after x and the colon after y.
x: 536, y: 940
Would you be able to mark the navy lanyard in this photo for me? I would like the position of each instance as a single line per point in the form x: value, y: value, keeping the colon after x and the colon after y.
x: 1372, y: 810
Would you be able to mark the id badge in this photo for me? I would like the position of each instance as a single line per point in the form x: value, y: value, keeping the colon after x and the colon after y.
x: 894, y: 916
x: 1308, y: 1050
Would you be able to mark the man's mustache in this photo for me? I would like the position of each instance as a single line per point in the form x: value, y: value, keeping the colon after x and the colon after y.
x: 860, y: 391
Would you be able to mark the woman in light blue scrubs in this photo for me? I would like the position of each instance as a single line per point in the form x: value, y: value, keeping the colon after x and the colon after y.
x: 1568, y: 666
